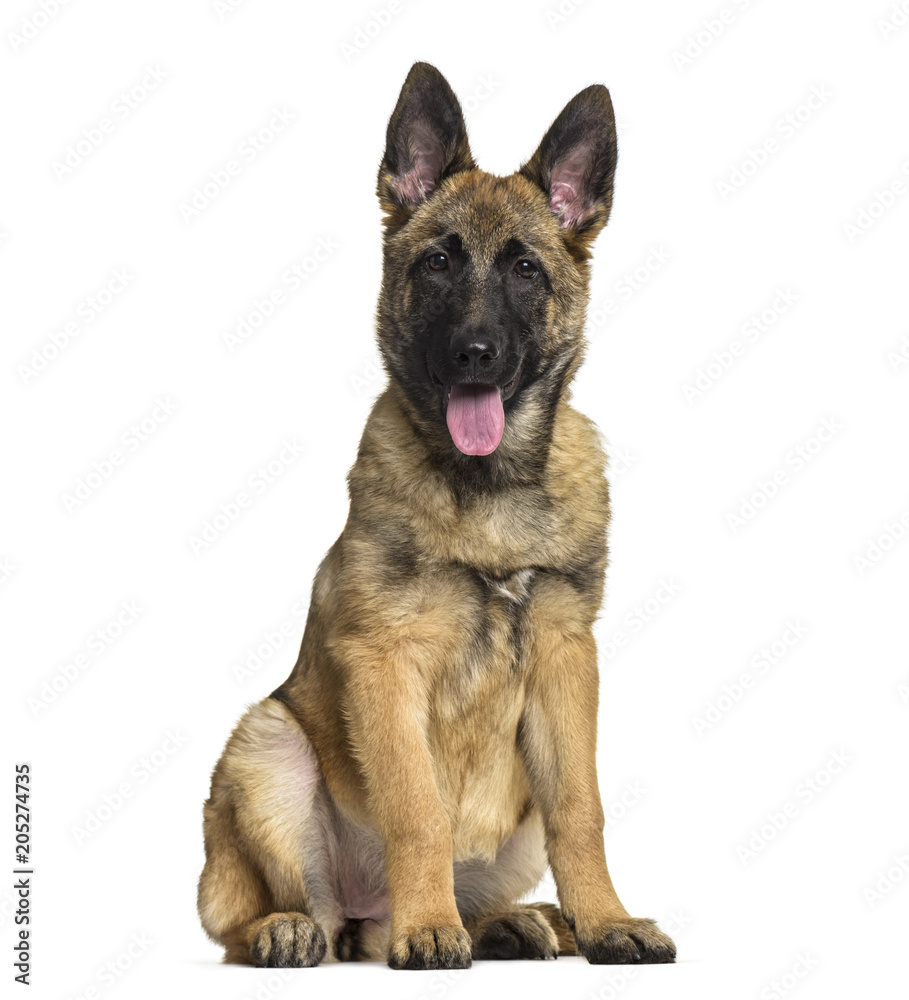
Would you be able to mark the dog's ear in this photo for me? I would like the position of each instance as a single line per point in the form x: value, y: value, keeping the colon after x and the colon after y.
x: 575, y: 163
x: 425, y: 143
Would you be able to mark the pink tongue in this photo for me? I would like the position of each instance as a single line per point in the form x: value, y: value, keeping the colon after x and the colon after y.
x: 475, y: 417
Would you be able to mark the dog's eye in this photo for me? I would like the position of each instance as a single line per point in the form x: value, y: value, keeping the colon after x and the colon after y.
x: 525, y: 269
x: 437, y: 262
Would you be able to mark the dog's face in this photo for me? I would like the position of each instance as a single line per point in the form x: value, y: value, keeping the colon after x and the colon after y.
x: 485, y: 278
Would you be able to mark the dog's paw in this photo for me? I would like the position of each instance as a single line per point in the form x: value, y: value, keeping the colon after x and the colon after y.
x: 521, y: 933
x: 287, y: 941
x: 624, y: 942
x: 431, y: 948
x: 347, y: 941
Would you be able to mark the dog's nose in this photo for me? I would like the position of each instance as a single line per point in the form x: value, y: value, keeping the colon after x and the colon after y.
x: 473, y: 353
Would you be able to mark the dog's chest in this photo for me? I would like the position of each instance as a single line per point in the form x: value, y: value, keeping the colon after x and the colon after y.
x: 500, y: 534
x: 514, y: 587
x: 476, y: 714
x: 489, y: 665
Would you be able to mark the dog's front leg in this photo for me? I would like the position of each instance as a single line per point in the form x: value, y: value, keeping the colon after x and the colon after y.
x: 558, y: 737
x: 387, y: 710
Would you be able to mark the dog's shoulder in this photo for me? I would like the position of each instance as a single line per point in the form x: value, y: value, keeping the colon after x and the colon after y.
x: 576, y: 469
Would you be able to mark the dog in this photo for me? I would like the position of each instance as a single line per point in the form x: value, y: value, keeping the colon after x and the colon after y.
x: 434, y: 746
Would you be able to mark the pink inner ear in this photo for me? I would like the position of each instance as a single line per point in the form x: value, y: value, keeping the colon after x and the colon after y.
x: 427, y: 155
x: 566, y: 188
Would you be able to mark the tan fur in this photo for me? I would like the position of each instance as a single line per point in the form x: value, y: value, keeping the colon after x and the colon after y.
x: 435, y: 743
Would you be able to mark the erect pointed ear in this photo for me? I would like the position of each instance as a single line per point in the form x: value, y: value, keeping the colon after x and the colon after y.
x: 575, y: 162
x: 426, y: 142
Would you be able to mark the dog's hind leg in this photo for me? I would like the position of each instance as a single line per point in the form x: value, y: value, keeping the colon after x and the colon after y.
x: 500, y: 927
x: 525, y: 930
x: 264, y: 893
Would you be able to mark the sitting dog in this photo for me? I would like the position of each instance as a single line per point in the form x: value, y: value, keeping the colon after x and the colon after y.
x: 434, y: 745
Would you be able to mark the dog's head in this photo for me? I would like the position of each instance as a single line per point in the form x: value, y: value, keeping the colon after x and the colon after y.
x: 485, y: 279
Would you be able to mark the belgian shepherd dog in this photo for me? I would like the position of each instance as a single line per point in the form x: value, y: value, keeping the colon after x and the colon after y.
x: 434, y: 746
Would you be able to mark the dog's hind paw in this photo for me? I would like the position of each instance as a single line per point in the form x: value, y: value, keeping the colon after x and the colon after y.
x: 287, y: 941
x: 520, y: 933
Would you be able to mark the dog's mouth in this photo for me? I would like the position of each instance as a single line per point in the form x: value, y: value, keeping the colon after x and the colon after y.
x: 475, y: 412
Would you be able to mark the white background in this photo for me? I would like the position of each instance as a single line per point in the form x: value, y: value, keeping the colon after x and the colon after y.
x: 713, y: 228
